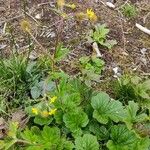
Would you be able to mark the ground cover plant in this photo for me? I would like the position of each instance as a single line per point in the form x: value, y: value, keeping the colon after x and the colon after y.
x: 68, y: 80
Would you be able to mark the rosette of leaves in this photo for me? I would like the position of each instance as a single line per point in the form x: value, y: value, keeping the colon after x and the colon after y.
x: 99, y: 35
x: 106, y: 109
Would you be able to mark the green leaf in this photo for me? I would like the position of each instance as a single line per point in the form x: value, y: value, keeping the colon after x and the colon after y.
x: 109, y: 43
x: 43, y: 121
x: 146, y: 85
x: 121, y: 138
x: 142, y: 144
x: 87, y: 142
x: 131, y: 114
x: 9, y: 144
x: 36, y: 92
x: 100, y: 131
x: 61, y: 52
x: 65, y: 145
x: 13, y: 126
x: 75, y: 120
x: 105, y: 108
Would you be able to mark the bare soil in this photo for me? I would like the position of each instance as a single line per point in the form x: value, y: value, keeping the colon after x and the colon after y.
x: 127, y: 54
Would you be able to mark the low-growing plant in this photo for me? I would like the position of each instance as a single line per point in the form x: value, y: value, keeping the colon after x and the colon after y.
x: 91, y: 69
x: 133, y: 88
x: 17, y: 76
x: 98, y: 122
x: 129, y: 10
x: 100, y: 35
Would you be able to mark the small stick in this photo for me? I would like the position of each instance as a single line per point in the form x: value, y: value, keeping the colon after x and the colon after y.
x: 145, y: 30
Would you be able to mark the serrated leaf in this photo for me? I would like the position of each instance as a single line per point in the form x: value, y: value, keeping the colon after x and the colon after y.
x: 87, y: 142
x: 75, y: 120
x: 109, y: 43
x: 142, y: 144
x: 105, y: 108
x: 121, y: 138
x: 132, y: 116
x: 100, y: 131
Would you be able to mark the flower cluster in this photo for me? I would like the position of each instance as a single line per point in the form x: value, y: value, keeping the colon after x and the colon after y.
x: 91, y: 15
x: 45, y: 113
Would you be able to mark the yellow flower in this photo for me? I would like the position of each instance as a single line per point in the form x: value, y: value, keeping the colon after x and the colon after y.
x: 25, y: 26
x: 35, y: 111
x: 91, y: 15
x: 52, y: 112
x: 44, y: 113
x: 53, y: 99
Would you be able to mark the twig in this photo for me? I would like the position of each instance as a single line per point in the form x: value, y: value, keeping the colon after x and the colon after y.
x: 145, y: 30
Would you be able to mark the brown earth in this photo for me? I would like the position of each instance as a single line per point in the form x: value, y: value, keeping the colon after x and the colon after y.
x: 127, y: 54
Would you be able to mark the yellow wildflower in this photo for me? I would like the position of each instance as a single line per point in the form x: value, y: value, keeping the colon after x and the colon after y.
x: 44, y: 113
x: 35, y: 111
x: 52, y: 112
x: 25, y: 26
x: 91, y: 15
x: 53, y: 99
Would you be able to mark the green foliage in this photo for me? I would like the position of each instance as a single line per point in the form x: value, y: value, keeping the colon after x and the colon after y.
x: 75, y: 121
x: 129, y: 10
x: 121, y: 138
x: 105, y: 108
x: 130, y: 88
x: 86, y: 142
x: 17, y: 77
x: 60, y: 53
x: 99, y: 35
x: 125, y: 139
x: 133, y: 116
x: 91, y: 69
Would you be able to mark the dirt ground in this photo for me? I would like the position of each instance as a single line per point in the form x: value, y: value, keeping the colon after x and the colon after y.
x: 131, y: 54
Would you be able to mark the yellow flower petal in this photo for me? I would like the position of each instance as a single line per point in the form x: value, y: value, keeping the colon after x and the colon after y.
x: 53, y: 99
x: 52, y: 112
x: 91, y: 15
x: 35, y: 111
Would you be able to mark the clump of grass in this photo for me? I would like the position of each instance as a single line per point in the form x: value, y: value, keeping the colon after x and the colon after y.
x: 129, y: 10
x: 17, y: 76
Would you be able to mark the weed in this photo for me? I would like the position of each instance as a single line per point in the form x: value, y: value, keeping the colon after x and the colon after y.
x: 91, y: 69
x: 133, y: 88
x: 129, y: 10
x: 99, y: 35
x: 17, y: 76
